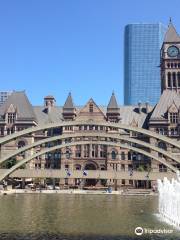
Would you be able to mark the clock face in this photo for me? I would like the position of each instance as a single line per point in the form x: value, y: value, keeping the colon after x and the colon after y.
x: 173, y: 51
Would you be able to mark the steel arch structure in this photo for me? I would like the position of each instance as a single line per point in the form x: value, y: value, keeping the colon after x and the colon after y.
x: 20, y: 163
x: 97, y: 134
x: 148, y: 133
x: 74, y: 135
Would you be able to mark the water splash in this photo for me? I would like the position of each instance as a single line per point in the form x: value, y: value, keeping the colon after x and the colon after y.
x: 169, y: 200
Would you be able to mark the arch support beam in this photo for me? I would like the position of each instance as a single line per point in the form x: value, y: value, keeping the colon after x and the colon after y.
x: 103, y: 135
x: 148, y: 133
x: 19, y: 164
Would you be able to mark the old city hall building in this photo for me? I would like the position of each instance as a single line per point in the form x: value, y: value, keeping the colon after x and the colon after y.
x: 96, y: 132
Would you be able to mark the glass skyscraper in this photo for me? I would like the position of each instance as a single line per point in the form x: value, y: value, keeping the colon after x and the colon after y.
x: 142, y: 44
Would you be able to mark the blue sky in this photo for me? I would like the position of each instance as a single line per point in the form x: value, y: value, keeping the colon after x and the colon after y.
x: 57, y: 46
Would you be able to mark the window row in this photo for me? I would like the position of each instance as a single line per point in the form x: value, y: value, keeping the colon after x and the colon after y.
x: 170, y: 132
x: 173, y: 65
x: 173, y: 117
x: 173, y: 79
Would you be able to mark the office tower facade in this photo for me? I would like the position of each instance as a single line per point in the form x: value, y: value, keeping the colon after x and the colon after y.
x: 4, y: 96
x: 142, y: 44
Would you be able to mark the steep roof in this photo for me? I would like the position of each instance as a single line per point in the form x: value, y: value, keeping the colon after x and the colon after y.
x: 113, y: 102
x: 20, y: 102
x: 167, y: 98
x: 53, y: 116
x: 171, y: 34
x: 128, y: 114
x: 69, y: 102
x: 25, y: 110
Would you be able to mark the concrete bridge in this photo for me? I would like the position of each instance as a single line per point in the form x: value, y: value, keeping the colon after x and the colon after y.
x: 90, y: 174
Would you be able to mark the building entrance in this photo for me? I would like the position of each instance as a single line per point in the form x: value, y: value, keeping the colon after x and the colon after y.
x: 89, y: 181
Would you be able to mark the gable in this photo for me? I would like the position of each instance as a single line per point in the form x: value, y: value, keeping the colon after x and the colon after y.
x: 11, y: 109
x: 91, y: 111
x: 134, y: 123
x: 173, y: 108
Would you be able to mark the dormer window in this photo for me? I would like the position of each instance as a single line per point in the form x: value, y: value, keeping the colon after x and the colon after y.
x: 11, y: 118
x: 173, y: 117
x: 90, y: 107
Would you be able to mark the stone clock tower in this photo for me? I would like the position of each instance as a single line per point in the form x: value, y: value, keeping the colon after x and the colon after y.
x: 170, y: 60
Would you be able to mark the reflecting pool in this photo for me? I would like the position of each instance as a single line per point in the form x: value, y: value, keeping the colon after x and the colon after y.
x: 79, y: 217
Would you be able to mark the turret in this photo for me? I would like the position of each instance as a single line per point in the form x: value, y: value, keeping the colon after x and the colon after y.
x: 69, y: 110
x: 113, y: 111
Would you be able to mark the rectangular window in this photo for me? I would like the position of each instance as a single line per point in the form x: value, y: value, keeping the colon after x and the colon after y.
x: 11, y: 117
x: 90, y: 107
x: 173, y: 117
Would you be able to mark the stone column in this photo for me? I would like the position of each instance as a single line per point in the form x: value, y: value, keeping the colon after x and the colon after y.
x: 82, y: 151
x: 90, y: 150
x: 99, y: 149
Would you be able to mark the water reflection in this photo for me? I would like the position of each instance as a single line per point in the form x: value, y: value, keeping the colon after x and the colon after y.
x: 56, y: 216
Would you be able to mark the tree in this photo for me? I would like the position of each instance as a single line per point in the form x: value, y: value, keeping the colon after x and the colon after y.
x: 9, y: 163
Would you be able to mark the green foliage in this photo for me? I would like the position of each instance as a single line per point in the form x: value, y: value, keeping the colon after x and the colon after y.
x: 23, y: 166
x: 140, y: 168
x: 9, y: 163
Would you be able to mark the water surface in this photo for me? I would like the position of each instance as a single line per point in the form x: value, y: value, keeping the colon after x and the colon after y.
x: 74, y: 217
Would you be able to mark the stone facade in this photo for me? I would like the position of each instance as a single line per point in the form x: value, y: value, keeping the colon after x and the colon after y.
x: 17, y: 114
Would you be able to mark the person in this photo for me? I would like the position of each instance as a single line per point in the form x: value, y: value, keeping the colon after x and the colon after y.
x: 154, y: 188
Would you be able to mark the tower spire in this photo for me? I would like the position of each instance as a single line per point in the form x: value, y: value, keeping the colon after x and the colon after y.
x: 170, y: 20
x: 69, y: 110
x: 113, y: 111
x: 171, y: 35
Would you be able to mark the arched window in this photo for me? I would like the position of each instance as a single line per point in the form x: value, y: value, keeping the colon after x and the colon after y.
x: 102, y: 167
x: 113, y: 155
x: 169, y: 79
x: 123, y: 156
x: 21, y: 144
x: 77, y: 167
x: 174, y: 79
x: 129, y: 156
